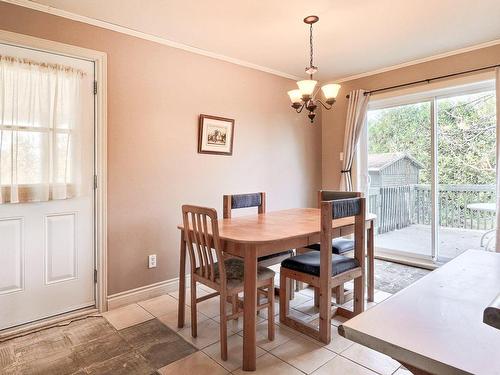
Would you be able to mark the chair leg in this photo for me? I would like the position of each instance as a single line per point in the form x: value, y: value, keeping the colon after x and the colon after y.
x: 234, y: 310
x: 223, y: 327
x: 299, y: 285
x: 284, y: 297
x: 292, y: 288
x: 258, y: 302
x: 340, y: 294
x: 194, y: 316
x: 316, y: 297
x: 234, y: 303
x: 270, y: 311
x: 325, y: 314
x: 359, y: 295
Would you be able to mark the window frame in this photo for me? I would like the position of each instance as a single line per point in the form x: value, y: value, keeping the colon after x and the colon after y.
x: 430, y: 93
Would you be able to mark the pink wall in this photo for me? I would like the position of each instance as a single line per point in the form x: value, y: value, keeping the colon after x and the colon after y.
x: 155, y: 94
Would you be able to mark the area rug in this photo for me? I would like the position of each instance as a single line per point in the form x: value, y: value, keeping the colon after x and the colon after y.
x: 93, y: 346
x: 392, y: 277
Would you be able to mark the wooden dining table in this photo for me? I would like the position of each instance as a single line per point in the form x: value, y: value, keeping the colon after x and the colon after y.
x: 435, y: 326
x: 254, y: 236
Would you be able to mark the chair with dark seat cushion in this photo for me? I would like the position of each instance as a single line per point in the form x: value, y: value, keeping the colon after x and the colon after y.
x: 325, y: 271
x: 339, y: 245
x: 248, y: 200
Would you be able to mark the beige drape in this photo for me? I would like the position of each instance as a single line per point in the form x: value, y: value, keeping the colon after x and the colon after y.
x: 356, y: 115
x: 497, y: 247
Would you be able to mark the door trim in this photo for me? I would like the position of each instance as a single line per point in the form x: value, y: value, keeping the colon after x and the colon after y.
x: 100, y: 149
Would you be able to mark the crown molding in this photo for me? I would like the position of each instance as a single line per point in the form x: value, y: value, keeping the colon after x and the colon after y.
x: 153, y: 38
x: 139, y: 34
x: 418, y: 61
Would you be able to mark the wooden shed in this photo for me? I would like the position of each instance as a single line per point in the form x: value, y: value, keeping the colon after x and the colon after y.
x: 393, y: 169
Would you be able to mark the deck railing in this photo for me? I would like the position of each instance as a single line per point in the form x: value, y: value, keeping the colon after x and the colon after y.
x: 398, y: 207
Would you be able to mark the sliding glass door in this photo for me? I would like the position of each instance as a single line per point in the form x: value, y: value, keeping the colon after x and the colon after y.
x: 399, y: 160
x: 466, y: 164
x: 431, y: 171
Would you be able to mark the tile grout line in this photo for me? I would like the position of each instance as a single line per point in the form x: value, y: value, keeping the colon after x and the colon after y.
x: 147, y: 312
x: 289, y: 363
x: 399, y: 368
x: 217, y: 363
x: 360, y: 364
x: 327, y: 362
x: 270, y: 350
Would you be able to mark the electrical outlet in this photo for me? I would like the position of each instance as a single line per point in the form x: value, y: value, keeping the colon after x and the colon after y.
x: 341, y: 156
x: 152, y: 261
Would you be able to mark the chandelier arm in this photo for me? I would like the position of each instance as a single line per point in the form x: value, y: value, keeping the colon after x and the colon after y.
x: 315, y: 93
x: 327, y: 107
x: 298, y: 110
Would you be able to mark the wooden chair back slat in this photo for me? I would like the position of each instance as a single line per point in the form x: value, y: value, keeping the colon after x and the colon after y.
x: 201, y: 233
x: 198, y: 260
x: 208, y: 245
x: 199, y: 241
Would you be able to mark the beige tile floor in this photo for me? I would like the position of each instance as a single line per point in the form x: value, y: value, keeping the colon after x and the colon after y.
x: 290, y: 353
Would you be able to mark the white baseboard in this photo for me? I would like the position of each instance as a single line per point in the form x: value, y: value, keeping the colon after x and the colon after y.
x: 143, y: 293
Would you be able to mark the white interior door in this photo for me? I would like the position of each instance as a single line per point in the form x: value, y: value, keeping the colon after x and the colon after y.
x: 47, y: 258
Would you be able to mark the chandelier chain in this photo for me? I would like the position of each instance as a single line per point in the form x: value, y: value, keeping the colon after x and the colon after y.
x: 306, y: 96
x: 311, y: 45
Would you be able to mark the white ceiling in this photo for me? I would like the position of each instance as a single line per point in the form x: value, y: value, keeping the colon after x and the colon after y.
x: 352, y: 36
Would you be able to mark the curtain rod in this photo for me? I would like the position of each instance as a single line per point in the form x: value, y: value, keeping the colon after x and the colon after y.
x: 428, y: 80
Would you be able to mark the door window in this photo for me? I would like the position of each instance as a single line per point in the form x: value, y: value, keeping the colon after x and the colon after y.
x: 40, y: 119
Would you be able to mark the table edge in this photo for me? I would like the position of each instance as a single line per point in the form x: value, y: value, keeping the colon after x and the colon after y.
x: 369, y: 217
x: 398, y: 353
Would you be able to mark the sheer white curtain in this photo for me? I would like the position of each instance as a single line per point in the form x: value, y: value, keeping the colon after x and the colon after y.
x: 356, y: 115
x: 497, y: 244
x: 40, y: 120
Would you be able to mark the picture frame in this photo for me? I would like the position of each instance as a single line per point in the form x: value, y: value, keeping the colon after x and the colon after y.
x: 215, y: 135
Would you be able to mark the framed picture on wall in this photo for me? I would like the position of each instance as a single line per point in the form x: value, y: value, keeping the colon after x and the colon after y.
x: 215, y: 135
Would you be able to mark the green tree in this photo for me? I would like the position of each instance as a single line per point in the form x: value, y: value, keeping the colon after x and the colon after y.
x: 466, y: 137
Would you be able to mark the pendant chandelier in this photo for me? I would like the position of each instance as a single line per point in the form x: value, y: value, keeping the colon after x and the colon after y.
x: 305, y: 95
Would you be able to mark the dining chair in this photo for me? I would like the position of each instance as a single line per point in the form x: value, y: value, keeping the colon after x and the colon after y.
x: 340, y: 245
x: 238, y: 201
x: 324, y: 270
x: 201, y: 232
